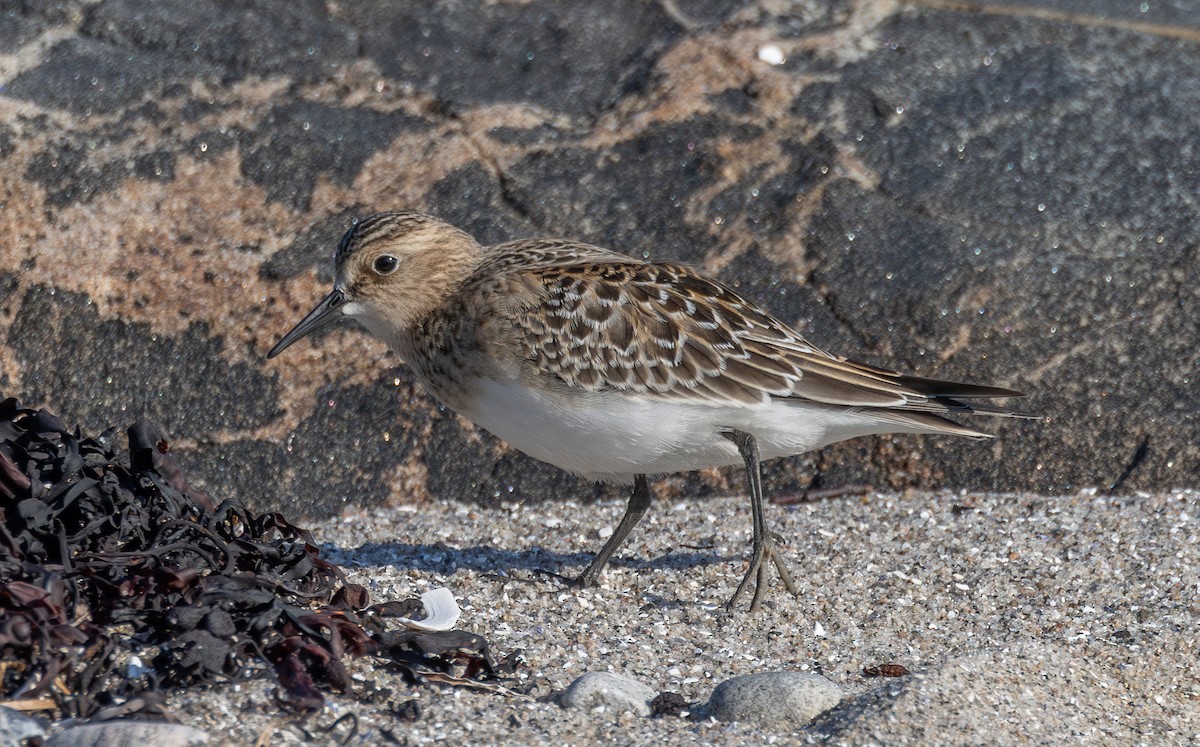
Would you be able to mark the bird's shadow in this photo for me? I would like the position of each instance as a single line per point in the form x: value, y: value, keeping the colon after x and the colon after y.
x: 444, y: 559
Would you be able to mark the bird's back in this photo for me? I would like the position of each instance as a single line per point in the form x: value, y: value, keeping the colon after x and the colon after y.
x: 597, y: 321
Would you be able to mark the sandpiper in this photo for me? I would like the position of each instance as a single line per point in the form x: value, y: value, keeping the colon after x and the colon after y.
x: 615, y: 368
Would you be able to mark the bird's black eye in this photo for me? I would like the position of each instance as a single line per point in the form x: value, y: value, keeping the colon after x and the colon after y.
x: 385, y: 264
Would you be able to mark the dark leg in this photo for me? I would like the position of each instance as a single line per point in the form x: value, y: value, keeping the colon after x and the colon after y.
x: 638, y: 503
x: 764, y: 543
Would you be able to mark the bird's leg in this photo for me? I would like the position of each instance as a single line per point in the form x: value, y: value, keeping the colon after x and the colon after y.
x: 639, y: 501
x: 764, y: 544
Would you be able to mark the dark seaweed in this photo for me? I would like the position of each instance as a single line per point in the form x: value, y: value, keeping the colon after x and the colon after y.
x: 107, y: 552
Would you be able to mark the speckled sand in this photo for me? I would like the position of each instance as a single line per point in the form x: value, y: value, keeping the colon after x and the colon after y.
x: 1024, y: 619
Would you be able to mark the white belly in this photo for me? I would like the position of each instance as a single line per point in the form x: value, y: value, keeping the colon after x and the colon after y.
x: 613, y: 437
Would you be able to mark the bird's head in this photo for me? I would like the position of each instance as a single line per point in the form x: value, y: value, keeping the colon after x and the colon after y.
x: 392, y: 269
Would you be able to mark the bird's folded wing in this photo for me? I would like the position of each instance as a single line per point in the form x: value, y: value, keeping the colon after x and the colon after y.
x: 666, y: 332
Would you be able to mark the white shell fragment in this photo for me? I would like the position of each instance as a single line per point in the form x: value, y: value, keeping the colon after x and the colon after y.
x: 441, y: 611
x: 771, y: 54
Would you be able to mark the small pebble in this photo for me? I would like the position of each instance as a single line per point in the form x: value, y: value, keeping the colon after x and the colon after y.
x: 613, y: 691
x: 773, y: 696
x: 16, y: 727
x: 129, y: 734
x: 136, y: 668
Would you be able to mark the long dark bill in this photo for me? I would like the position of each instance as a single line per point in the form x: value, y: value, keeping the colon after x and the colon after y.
x: 325, y: 313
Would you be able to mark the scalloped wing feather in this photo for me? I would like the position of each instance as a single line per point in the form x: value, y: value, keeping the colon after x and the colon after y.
x: 598, y: 320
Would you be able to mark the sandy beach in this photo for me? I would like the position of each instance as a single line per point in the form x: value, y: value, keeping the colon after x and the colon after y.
x: 1023, y: 619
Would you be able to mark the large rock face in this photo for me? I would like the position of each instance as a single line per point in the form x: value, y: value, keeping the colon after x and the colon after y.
x: 1006, y: 197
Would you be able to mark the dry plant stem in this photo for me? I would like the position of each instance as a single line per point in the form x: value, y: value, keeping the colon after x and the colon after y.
x: 29, y: 704
x: 813, y: 495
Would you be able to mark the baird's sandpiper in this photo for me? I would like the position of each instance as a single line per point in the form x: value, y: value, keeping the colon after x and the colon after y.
x: 615, y: 368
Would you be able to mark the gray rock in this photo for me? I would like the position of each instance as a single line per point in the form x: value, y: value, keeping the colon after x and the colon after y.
x: 16, y: 727
x: 612, y: 691
x: 129, y: 734
x: 773, y: 696
x: 968, y: 241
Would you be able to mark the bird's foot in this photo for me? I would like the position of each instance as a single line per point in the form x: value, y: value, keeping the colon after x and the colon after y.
x: 562, y: 578
x: 585, y: 579
x: 758, y: 570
